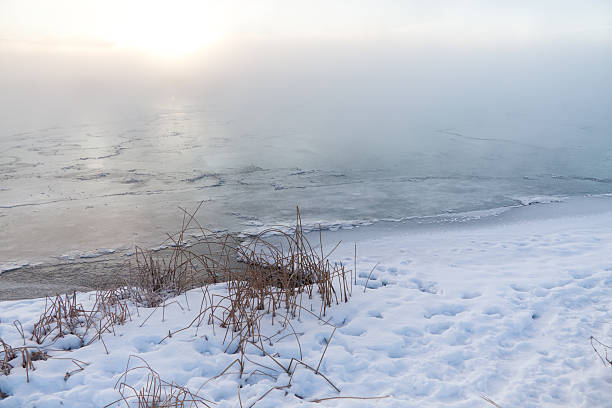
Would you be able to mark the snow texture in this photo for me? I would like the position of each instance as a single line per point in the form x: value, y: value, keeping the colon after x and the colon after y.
x: 504, y: 311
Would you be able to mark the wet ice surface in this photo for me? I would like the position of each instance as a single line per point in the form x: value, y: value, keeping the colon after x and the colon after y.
x: 502, y: 309
x: 69, y: 192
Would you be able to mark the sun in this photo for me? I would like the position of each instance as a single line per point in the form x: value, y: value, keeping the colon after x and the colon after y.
x: 166, y: 29
x: 170, y: 40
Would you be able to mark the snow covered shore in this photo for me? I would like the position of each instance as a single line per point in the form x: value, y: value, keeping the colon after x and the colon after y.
x: 502, y: 309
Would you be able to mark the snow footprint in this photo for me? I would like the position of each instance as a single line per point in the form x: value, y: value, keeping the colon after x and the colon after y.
x: 426, y: 286
x: 375, y: 313
x: 519, y: 288
x: 144, y: 344
x: 493, y: 311
x: 439, y: 328
x: 555, y: 284
x: 409, y: 331
x: 354, y: 331
x: 576, y: 274
x: 470, y: 295
x: 588, y: 283
x: 445, y: 310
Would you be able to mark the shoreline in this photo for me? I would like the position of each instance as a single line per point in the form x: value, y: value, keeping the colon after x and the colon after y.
x: 52, y: 244
x: 37, y: 281
x: 88, y: 274
x: 438, y: 316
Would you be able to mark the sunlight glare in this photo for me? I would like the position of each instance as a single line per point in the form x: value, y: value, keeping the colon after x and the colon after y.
x: 165, y: 29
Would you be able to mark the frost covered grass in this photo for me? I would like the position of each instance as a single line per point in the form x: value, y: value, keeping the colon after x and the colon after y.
x: 478, y: 316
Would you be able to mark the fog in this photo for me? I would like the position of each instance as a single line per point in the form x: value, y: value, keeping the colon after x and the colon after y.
x: 364, y: 88
x: 365, y: 69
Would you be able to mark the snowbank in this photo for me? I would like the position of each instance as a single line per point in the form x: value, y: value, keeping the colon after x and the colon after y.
x: 503, y: 310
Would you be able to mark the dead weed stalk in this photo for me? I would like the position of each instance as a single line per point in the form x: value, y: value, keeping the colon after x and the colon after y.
x: 157, y: 277
x: 64, y: 316
x: 601, y: 350
x: 155, y: 393
x: 278, y: 279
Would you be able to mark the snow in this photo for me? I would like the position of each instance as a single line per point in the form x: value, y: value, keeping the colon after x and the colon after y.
x: 11, y: 266
x: 503, y: 310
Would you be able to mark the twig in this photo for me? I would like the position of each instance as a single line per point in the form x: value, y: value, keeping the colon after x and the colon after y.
x: 318, y: 400
x: 366, y: 284
x: 323, y: 355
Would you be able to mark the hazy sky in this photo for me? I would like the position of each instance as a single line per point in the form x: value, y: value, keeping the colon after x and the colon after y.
x: 173, y: 28
x: 63, y: 59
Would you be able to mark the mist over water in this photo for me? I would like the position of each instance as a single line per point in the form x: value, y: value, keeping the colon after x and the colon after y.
x: 99, y: 149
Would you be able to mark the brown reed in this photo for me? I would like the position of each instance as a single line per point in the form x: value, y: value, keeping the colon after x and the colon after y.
x: 155, y: 393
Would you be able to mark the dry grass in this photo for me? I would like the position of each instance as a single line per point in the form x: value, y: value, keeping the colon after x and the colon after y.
x: 276, y: 276
x: 490, y: 401
x: 156, y: 277
x: 602, y: 351
x: 155, y: 393
x: 64, y: 316
x: 262, y: 276
x: 8, y: 354
x: 267, y: 281
x: 280, y: 279
x: 29, y: 354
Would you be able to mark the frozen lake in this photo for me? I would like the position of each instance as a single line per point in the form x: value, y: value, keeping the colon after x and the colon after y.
x: 91, y: 188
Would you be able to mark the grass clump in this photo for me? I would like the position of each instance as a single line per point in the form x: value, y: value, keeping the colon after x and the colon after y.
x: 64, y: 316
x: 271, y: 273
x: 280, y: 276
x: 182, y: 265
x: 157, y: 279
x: 248, y: 285
x: 7, y: 354
x: 155, y: 392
